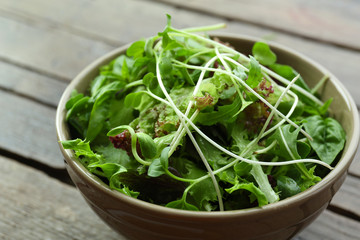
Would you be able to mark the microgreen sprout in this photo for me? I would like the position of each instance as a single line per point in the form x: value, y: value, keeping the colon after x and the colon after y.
x: 188, y: 122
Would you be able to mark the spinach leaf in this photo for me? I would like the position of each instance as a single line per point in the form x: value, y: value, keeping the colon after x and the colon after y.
x: 328, y: 137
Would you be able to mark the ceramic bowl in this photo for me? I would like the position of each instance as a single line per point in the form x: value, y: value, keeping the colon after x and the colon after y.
x: 136, y: 219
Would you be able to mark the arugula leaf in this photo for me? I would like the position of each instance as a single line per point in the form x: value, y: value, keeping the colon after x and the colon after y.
x: 82, y: 151
x: 257, y: 193
x: 263, y: 183
x: 203, y: 192
x: 225, y: 113
x: 182, y: 204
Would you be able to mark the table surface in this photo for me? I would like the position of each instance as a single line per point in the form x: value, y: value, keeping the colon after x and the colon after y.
x: 45, y: 43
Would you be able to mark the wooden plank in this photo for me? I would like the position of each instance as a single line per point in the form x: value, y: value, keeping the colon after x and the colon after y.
x: 28, y: 129
x: 331, y: 21
x: 30, y: 84
x: 33, y: 206
x: 331, y: 226
x: 355, y: 165
x: 108, y: 24
x: 347, y: 199
x: 116, y: 21
x: 53, y: 52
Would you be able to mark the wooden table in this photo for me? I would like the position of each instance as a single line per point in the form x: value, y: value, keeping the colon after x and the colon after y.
x: 45, y: 43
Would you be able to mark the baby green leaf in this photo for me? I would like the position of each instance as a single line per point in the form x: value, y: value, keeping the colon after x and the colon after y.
x: 287, y: 186
x: 155, y: 169
x: 164, y: 157
x: 224, y: 113
x: 328, y: 137
x: 254, y: 74
x: 134, y: 99
x: 75, y: 96
x: 100, y: 110
x: 147, y: 145
x: 136, y: 49
x: 262, y: 52
x: 117, y: 130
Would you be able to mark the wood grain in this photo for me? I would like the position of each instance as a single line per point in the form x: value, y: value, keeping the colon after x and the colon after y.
x: 348, y: 197
x: 28, y: 129
x: 355, y: 165
x: 331, y: 21
x: 30, y: 84
x: 53, y: 52
x: 34, y: 206
x: 109, y: 27
x: 331, y: 226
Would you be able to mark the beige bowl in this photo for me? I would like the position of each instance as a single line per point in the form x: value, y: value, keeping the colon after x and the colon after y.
x: 136, y: 219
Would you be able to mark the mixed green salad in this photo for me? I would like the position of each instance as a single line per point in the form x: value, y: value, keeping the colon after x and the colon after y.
x: 187, y: 122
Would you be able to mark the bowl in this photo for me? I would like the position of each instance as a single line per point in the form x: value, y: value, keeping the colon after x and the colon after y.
x: 136, y: 219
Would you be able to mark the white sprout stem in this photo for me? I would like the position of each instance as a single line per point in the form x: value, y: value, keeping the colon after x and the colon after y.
x: 244, y: 57
x: 179, y: 113
x: 227, y: 68
x: 264, y: 150
x: 296, y: 87
x: 178, y: 136
x: 236, y: 63
x: 180, y: 131
x: 286, y: 145
x: 263, y: 182
x: 204, y: 29
x: 231, y: 154
x: 283, y: 120
x: 261, y: 134
x: 252, y: 91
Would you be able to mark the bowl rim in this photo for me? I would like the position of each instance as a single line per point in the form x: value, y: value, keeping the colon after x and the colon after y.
x: 80, y: 170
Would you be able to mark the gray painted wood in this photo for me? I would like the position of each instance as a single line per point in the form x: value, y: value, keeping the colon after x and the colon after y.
x: 28, y: 130
x: 335, y: 22
x: 34, y: 206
